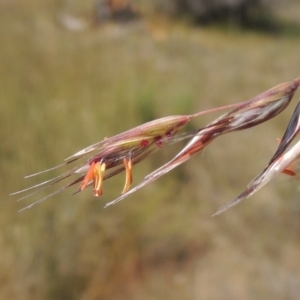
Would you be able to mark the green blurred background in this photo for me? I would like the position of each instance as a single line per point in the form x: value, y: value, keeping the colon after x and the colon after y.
x: 64, y: 87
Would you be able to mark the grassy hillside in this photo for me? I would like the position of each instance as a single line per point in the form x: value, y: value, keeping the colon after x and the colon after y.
x: 63, y: 90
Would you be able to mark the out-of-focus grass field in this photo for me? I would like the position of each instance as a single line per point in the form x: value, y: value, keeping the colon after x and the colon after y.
x: 62, y: 91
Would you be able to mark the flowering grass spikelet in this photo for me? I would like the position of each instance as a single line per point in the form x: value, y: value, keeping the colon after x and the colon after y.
x: 117, y: 153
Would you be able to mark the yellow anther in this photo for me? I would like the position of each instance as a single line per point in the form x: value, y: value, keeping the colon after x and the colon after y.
x: 98, y: 176
x: 128, y: 175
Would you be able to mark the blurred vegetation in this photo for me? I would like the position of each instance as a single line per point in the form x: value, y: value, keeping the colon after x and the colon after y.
x: 62, y: 90
x: 259, y: 15
x: 238, y: 12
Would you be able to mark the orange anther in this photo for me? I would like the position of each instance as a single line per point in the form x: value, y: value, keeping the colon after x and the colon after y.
x: 288, y: 171
x: 88, y: 177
